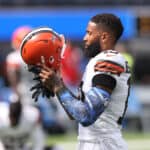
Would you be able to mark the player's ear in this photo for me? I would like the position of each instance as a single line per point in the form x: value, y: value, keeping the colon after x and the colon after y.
x: 104, y: 37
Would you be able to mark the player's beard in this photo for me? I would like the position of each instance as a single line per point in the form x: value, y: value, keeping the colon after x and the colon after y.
x: 92, y: 50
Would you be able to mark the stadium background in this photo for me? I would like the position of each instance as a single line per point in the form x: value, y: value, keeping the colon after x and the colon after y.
x: 70, y: 18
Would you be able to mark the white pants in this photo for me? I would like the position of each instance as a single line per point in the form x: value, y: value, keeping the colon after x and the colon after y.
x: 107, y: 143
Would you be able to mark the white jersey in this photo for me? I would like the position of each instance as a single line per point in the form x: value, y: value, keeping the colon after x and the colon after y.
x: 14, y: 62
x: 28, y: 130
x: 107, y: 123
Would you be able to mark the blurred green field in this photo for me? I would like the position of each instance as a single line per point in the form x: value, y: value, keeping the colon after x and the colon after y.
x: 136, y: 141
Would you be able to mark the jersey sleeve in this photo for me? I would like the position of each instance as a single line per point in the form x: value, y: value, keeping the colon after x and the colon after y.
x: 87, y: 110
x: 110, y: 62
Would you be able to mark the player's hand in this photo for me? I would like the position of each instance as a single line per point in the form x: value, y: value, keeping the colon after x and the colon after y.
x: 38, y: 89
x: 35, y: 69
x: 49, y: 78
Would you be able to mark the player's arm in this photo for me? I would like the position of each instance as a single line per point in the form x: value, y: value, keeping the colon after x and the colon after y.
x: 87, y: 110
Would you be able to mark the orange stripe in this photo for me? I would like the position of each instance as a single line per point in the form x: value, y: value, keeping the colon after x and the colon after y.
x: 108, y: 67
x: 107, y: 70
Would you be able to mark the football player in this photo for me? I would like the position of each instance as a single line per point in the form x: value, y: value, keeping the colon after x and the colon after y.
x: 20, y: 127
x: 103, y: 93
x: 19, y: 79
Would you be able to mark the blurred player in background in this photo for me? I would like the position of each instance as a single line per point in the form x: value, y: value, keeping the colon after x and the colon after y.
x: 19, y: 79
x: 20, y: 127
x: 4, y: 88
x: 103, y: 97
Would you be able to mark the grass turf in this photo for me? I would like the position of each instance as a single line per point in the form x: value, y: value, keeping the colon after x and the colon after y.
x: 72, y: 137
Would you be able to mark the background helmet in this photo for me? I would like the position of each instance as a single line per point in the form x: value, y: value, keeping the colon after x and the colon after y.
x: 42, y: 44
x: 18, y: 36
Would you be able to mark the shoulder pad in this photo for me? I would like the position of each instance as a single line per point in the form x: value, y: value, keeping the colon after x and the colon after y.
x: 110, y: 61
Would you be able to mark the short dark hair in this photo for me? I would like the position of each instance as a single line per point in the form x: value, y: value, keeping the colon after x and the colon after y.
x: 110, y: 22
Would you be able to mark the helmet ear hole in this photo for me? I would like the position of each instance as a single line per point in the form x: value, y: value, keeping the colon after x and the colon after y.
x: 51, y: 59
